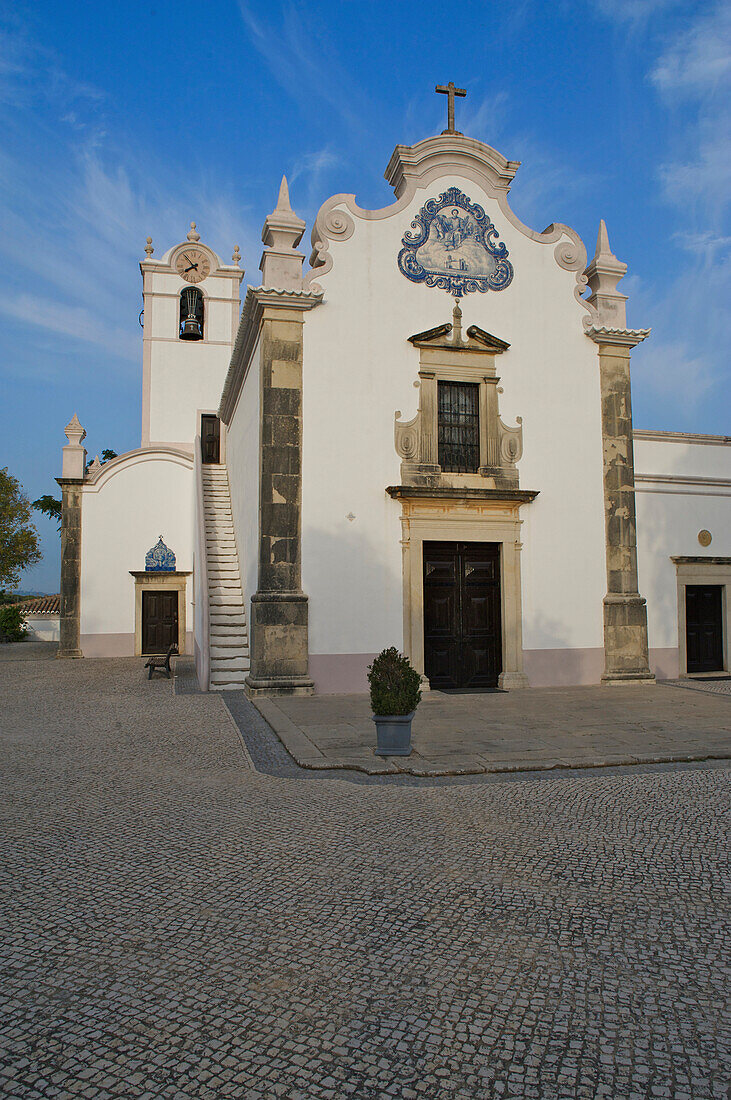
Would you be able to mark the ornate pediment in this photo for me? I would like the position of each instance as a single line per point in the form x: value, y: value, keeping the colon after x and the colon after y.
x: 448, y: 356
x: 449, y: 337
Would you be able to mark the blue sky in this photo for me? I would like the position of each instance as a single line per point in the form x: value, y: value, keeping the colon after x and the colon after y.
x: 123, y: 120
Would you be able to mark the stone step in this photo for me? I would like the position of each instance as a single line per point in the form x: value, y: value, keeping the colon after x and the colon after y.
x: 229, y: 664
x: 235, y: 676
x: 228, y: 625
x: 236, y: 637
x: 229, y: 651
x: 220, y: 600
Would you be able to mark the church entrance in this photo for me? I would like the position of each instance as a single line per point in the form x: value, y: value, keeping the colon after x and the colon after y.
x: 704, y: 627
x: 159, y: 621
x: 462, y: 627
x: 210, y: 439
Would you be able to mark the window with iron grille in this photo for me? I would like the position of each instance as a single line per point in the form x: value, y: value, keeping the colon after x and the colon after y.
x: 459, y: 426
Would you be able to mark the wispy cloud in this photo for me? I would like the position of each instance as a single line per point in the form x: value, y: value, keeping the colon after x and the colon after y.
x: 297, y: 54
x: 76, y: 217
x: 698, y: 61
x: 634, y: 13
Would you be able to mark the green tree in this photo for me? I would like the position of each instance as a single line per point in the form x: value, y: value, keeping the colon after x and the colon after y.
x: 18, y: 537
x: 50, y: 507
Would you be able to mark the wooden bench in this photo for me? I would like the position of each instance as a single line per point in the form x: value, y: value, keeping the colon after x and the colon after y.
x: 161, y: 664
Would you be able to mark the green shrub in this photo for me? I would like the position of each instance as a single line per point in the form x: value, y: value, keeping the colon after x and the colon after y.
x: 12, y: 624
x: 395, y: 685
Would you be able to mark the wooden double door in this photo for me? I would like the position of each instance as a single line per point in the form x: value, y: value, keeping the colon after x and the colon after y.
x: 159, y: 621
x: 704, y: 627
x: 462, y: 627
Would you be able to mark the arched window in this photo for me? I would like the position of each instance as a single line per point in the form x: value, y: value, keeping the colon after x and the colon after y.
x: 191, y: 314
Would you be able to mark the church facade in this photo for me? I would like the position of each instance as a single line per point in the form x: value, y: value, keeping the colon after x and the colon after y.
x: 424, y: 440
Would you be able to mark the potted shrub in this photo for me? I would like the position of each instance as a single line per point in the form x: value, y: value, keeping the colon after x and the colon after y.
x: 395, y: 695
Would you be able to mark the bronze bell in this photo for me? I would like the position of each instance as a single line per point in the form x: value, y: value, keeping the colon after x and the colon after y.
x: 191, y: 327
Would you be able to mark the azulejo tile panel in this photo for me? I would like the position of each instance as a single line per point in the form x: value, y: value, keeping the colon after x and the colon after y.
x: 160, y: 558
x: 453, y: 245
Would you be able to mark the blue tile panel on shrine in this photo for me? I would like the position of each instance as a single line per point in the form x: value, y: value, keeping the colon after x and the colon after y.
x: 160, y: 559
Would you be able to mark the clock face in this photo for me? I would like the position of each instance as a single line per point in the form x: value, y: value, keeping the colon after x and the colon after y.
x: 193, y: 265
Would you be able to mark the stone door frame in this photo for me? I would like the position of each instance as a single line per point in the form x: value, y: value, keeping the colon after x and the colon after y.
x: 441, y: 521
x: 165, y: 582
x: 702, y: 571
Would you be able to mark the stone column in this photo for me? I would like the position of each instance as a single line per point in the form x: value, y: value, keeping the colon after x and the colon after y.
x: 279, y: 611
x: 625, y: 613
x: 71, y: 482
x: 279, y: 608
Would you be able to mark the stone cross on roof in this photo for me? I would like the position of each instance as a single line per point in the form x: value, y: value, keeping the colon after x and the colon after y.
x: 450, y: 91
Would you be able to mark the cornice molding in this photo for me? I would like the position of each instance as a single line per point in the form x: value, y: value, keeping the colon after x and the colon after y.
x: 422, y: 492
x: 619, y: 337
x: 681, y: 437
x: 415, y: 167
x: 257, y: 300
x: 681, y: 559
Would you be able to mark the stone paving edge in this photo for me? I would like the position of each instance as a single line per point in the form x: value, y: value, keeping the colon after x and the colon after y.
x: 308, y: 756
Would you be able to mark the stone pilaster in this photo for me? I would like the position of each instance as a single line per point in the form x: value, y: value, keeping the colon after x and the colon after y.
x: 279, y: 608
x: 70, y: 616
x: 71, y: 482
x: 625, y: 613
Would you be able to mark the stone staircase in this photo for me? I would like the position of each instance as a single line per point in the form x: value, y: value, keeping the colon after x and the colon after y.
x: 228, y: 635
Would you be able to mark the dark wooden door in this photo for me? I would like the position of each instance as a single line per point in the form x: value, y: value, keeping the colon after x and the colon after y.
x: 210, y: 439
x: 159, y: 621
x: 704, y: 627
x: 462, y: 632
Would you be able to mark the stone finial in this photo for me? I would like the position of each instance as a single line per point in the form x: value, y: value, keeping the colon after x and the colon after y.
x: 603, y: 273
x: 74, y: 432
x: 148, y: 248
x: 192, y: 235
x: 74, y: 455
x: 281, y: 264
x: 237, y: 255
x: 457, y: 324
x: 95, y: 465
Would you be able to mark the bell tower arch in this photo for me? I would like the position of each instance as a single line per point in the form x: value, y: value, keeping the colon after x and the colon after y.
x: 190, y: 317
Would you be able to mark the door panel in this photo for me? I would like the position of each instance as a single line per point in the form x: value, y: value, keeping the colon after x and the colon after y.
x: 462, y: 633
x: 704, y: 627
x: 159, y: 621
x: 210, y: 439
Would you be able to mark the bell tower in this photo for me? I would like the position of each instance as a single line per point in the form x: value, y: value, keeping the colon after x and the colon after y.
x: 190, y: 318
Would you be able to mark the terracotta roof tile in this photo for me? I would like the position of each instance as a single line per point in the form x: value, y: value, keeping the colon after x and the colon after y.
x: 42, y: 605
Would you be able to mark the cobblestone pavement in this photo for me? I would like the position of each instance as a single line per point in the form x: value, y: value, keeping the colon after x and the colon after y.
x: 178, y: 925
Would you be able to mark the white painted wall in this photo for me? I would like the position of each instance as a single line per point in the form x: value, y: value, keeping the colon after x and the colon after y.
x: 359, y: 369
x: 242, y: 462
x: 43, y: 628
x: 123, y: 513
x: 182, y: 376
x: 669, y: 518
